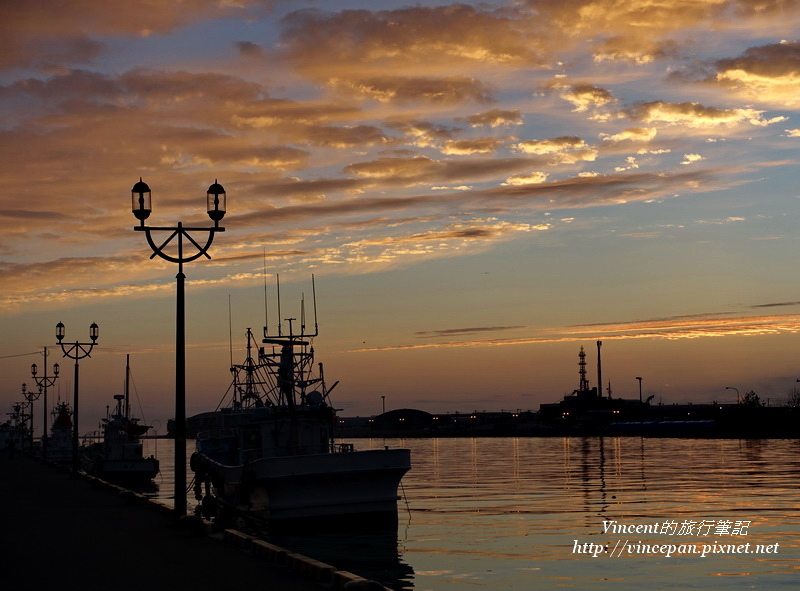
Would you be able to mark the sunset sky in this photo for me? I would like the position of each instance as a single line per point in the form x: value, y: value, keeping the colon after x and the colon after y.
x: 479, y: 189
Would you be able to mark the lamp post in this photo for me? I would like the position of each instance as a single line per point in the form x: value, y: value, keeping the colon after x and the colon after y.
x: 44, y: 382
x: 76, y: 351
x: 18, y: 428
x: 640, y: 388
x: 23, y: 406
x: 30, y: 396
x: 383, y: 404
x: 141, y: 207
x: 737, y: 392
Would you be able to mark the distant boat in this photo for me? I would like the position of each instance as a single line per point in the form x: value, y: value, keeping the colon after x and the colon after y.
x: 15, y: 433
x: 119, y: 456
x: 59, y: 446
x: 271, y: 455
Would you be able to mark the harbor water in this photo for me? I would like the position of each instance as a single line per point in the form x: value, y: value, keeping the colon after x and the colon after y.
x: 576, y: 513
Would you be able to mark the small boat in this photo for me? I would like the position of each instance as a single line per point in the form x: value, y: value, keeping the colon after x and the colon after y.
x: 119, y: 456
x: 59, y: 445
x: 15, y: 433
x: 271, y: 456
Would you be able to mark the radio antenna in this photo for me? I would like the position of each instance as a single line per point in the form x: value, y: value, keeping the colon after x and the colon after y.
x: 314, y: 298
x: 302, y: 313
x: 230, y: 329
x: 278, y: 279
x: 266, y: 307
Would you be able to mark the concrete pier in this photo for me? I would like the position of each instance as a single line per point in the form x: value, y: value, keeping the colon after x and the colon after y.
x: 57, y: 529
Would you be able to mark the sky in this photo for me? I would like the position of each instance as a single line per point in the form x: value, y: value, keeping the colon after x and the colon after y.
x: 479, y: 189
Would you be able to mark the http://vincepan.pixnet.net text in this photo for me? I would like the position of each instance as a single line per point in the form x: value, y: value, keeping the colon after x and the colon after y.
x: 702, y: 538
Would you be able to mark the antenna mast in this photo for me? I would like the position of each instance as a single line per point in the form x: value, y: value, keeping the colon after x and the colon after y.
x: 302, y: 314
x: 230, y: 329
x: 584, y: 383
x: 127, y: 381
x: 266, y: 307
x: 314, y: 298
x: 278, y: 279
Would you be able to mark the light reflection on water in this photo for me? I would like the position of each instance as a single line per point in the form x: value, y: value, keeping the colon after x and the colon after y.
x: 504, y: 513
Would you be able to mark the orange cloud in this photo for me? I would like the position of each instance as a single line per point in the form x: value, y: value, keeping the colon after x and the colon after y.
x: 694, y: 115
x: 551, y: 146
x: 632, y: 134
x: 496, y: 118
x: 406, y: 41
x: 476, y: 146
x: 385, y: 89
x: 636, y: 48
x: 584, y: 96
x: 768, y: 74
x: 680, y: 327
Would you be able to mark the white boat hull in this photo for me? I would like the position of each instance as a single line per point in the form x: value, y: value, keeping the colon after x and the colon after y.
x: 123, y: 470
x: 345, y: 485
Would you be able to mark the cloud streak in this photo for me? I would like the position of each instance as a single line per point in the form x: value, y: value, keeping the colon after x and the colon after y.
x: 677, y: 328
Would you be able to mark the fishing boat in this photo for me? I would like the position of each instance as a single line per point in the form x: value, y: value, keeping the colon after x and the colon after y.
x: 271, y: 457
x: 119, y: 456
x: 15, y: 433
x: 59, y: 446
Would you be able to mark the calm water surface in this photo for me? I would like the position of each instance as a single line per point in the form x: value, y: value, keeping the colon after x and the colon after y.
x: 513, y: 513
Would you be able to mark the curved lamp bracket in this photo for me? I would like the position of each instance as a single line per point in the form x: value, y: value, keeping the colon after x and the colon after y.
x: 180, y: 232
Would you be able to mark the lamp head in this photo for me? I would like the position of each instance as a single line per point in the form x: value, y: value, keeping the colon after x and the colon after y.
x: 216, y: 202
x: 93, y: 332
x: 55, y: 369
x: 140, y: 201
x: 60, y: 332
x: 33, y: 369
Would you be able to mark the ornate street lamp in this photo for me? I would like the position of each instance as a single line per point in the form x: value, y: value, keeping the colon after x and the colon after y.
x: 142, y: 207
x: 30, y: 396
x: 76, y: 351
x: 44, y: 382
x: 18, y: 416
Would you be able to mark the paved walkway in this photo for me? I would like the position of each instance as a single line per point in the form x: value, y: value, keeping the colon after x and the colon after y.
x: 60, y: 531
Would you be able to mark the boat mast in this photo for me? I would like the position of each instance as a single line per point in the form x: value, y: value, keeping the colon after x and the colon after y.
x: 250, y: 369
x: 278, y: 280
x: 230, y: 330
x: 266, y: 307
x: 248, y: 390
x: 127, y: 380
x: 292, y: 364
x: 314, y: 300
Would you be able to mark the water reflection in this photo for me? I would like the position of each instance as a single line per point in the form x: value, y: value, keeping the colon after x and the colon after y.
x: 371, y: 555
x: 506, y: 512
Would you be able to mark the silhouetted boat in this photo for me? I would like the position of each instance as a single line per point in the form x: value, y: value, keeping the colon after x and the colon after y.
x: 119, y: 456
x: 271, y: 455
x: 59, y: 445
x: 15, y: 433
